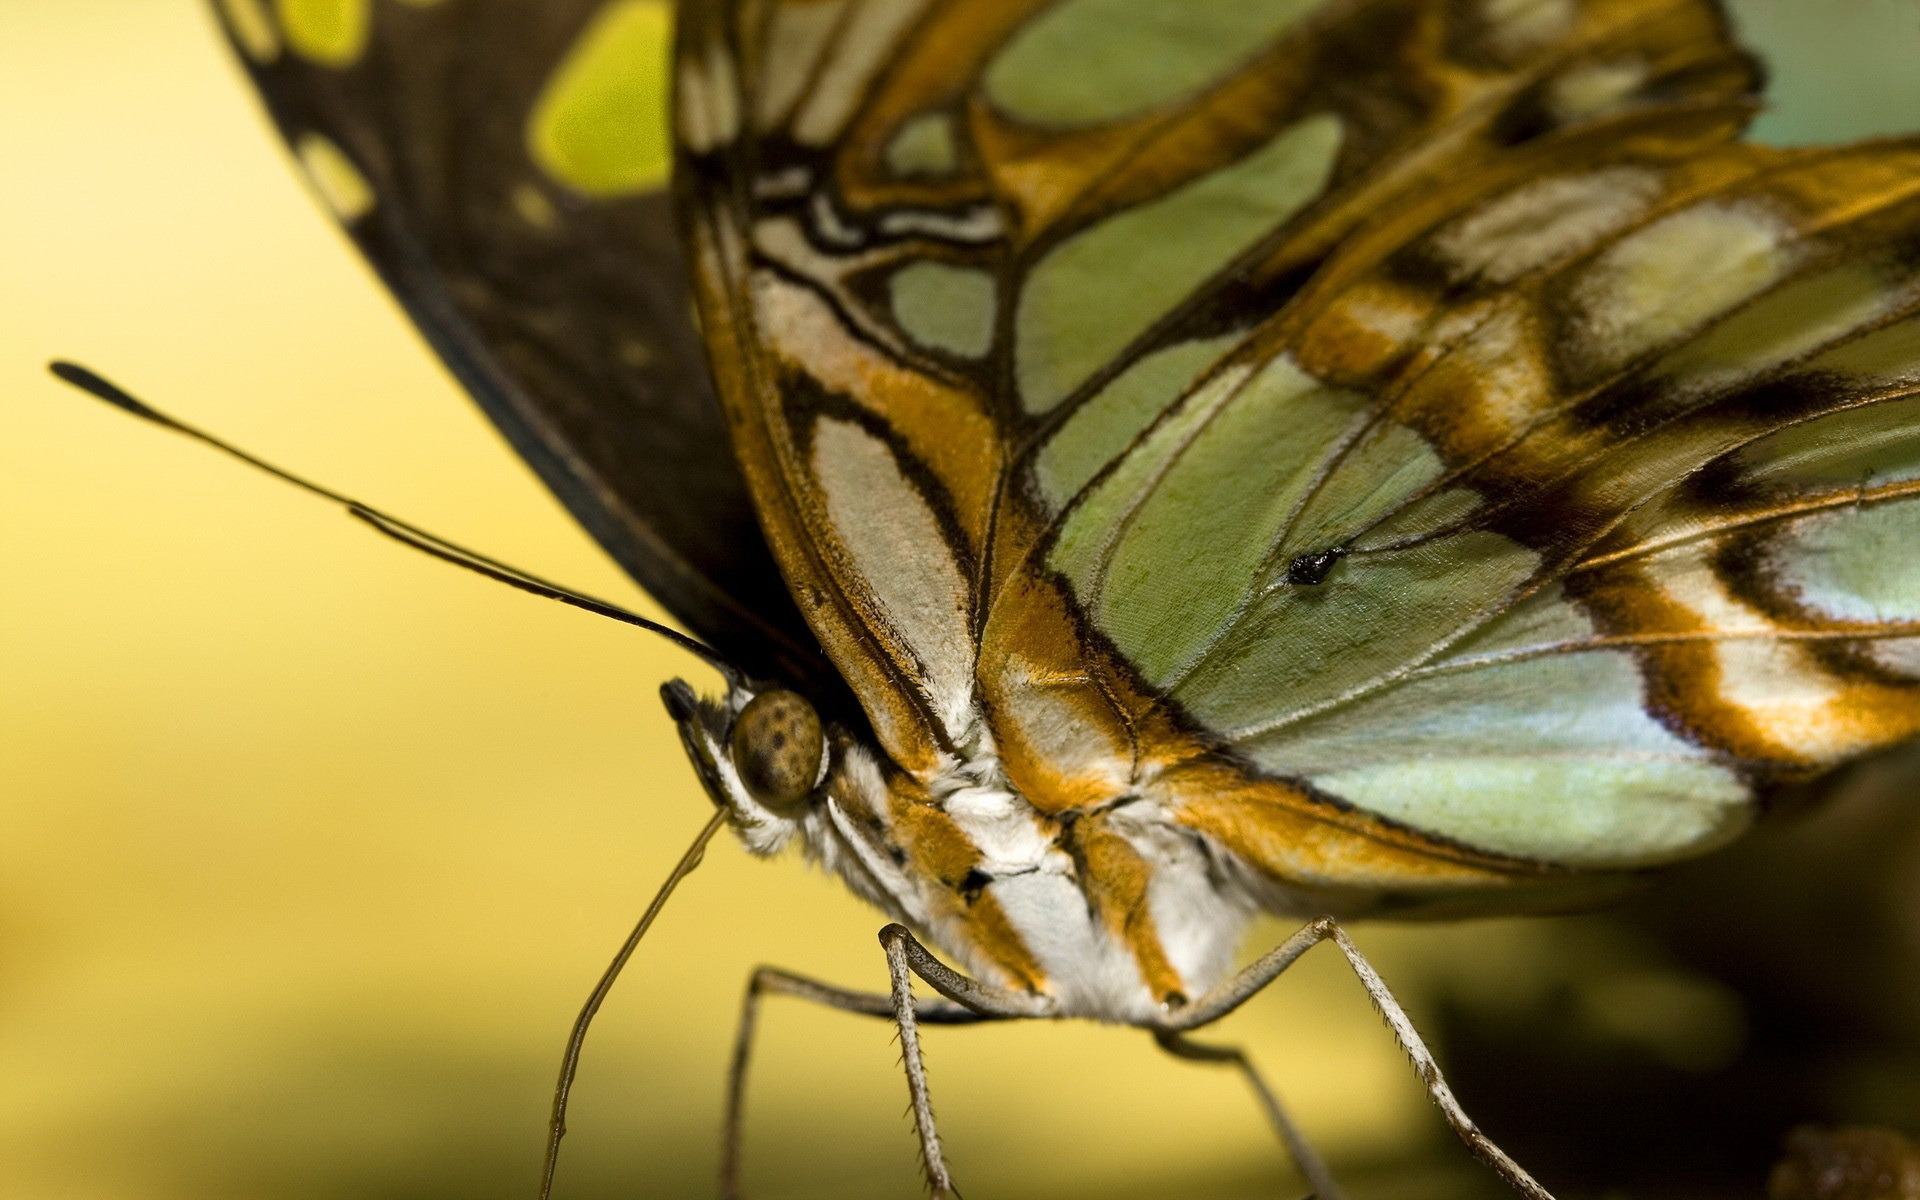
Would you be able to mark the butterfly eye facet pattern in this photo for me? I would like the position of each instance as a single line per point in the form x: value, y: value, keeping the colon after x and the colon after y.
x: 1174, y: 461
x: 776, y: 746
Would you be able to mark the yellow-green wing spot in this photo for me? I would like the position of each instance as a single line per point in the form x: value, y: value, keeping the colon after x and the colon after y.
x: 1552, y: 758
x: 1082, y: 62
x: 1099, y: 290
x: 329, y: 32
x: 1855, y: 564
x: 1108, y: 422
x: 600, y: 125
x: 944, y: 307
x: 924, y: 145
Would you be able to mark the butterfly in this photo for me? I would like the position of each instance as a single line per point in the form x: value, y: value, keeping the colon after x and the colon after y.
x: 1145, y: 465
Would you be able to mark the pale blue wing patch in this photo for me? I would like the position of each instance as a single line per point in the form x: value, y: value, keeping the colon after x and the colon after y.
x: 1513, y: 748
x: 1855, y: 563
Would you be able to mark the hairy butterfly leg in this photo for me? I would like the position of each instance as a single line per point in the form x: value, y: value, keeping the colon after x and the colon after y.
x: 906, y: 957
x: 1239, y: 989
x: 1311, y: 1165
x: 771, y: 981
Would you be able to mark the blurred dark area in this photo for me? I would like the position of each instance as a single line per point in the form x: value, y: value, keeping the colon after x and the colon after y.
x: 1670, y: 1046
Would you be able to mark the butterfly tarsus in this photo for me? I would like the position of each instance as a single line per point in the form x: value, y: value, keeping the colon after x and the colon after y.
x: 1244, y: 986
x: 1304, y: 1156
x: 772, y: 981
x: 932, y: 1158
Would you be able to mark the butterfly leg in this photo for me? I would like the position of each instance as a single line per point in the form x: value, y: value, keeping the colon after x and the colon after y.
x: 906, y: 957
x: 1319, y: 1178
x: 770, y: 981
x: 1238, y: 990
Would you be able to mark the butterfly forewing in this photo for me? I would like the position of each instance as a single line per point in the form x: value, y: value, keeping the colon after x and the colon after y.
x: 503, y: 165
x: 1416, y: 442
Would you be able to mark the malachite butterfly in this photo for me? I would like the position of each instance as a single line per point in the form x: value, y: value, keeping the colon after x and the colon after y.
x: 1148, y: 464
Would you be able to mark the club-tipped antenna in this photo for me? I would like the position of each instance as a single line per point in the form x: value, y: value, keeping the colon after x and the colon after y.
x: 405, y: 532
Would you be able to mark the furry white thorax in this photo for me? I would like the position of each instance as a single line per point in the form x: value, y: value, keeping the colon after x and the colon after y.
x: 1200, y: 899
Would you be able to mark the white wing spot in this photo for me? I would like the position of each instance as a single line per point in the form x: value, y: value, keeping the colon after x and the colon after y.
x: 334, y: 175
x: 1595, y: 89
x: 1676, y: 275
x: 1521, y: 26
x: 709, y: 110
x: 888, y: 530
x: 1539, y: 222
x: 253, y: 29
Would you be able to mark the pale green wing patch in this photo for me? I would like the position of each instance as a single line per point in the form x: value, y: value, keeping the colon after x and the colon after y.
x: 1101, y: 429
x: 1519, y: 742
x: 1871, y: 445
x: 1091, y: 296
x: 1296, y: 648
x: 1193, y: 534
x: 925, y: 145
x: 945, y: 307
x: 1084, y: 62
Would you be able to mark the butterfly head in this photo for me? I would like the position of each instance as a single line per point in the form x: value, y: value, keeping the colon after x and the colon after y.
x: 763, y: 755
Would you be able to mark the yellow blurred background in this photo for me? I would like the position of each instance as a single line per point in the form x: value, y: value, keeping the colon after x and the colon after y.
x: 310, y: 846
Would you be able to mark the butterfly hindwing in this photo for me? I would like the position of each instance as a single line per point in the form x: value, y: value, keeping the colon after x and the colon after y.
x: 1416, y: 437
x: 503, y: 166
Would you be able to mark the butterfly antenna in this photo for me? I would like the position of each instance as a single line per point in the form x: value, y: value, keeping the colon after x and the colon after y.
x: 576, y: 1040
x: 401, y: 531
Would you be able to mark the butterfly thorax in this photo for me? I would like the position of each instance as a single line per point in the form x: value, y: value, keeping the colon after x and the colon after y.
x: 1108, y: 908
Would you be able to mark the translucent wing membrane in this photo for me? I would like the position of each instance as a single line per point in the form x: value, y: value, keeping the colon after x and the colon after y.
x: 1418, y: 437
x: 503, y: 165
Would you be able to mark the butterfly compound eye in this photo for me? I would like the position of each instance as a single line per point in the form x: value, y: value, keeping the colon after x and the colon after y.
x: 776, y: 744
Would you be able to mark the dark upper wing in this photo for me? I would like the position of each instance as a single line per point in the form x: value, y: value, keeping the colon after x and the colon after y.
x: 464, y: 144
